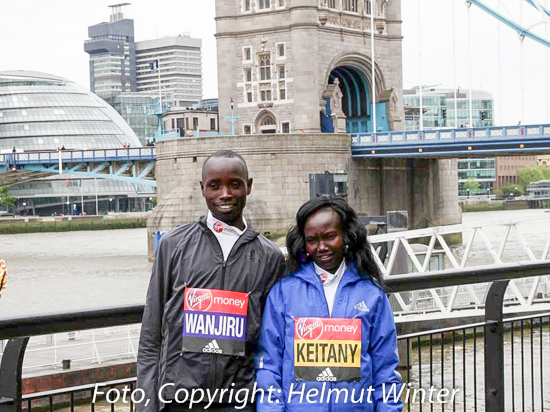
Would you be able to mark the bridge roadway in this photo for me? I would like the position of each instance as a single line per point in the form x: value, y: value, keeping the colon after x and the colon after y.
x: 136, y: 165
x: 133, y: 165
x: 453, y: 143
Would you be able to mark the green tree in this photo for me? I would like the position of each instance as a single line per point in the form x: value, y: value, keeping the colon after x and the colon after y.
x: 512, y: 189
x: 5, y: 198
x: 530, y: 174
x: 471, y: 184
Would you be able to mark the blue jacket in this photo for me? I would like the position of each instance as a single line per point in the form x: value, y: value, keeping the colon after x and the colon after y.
x: 302, y: 295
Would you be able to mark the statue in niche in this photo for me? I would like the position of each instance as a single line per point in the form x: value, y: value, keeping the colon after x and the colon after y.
x: 334, y: 94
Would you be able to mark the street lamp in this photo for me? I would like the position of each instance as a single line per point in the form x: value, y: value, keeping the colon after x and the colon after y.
x: 468, y: 191
x: 488, y: 193
x: 24, y: 209
x: 233, y: 119
x: 110, y: 200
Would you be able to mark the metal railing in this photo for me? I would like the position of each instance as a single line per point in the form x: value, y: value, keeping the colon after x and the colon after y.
x: 502, y: 245
x: 95, y: 346
x: 488, y: 387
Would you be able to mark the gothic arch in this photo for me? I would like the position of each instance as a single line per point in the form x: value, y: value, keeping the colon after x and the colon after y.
x: 266, y: 122
x: 352, y: 72
x: 361, y: 63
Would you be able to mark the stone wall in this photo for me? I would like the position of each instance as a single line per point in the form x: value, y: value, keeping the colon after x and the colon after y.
x: 280, y: 166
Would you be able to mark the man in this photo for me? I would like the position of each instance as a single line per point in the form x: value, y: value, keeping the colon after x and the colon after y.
x: 205, y: 300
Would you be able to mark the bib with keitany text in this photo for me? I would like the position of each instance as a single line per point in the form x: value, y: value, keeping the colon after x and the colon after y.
x: 327, y: 349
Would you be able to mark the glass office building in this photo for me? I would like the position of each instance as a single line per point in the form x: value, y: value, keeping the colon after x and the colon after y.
x: 438, y: 108
x: 41, y: 112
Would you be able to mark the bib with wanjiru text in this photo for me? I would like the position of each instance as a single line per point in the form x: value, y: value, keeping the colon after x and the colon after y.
x: 214, y: 321
x: 327, y: 349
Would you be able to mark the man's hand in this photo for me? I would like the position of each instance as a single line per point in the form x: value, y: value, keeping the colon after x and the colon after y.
x: 3, y: 276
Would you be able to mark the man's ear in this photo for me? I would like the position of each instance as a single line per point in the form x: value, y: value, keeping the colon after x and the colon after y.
x: 202, y: 187
x: 249, y: 186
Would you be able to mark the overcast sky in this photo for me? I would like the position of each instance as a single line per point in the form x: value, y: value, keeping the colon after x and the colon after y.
x: 48, y: 36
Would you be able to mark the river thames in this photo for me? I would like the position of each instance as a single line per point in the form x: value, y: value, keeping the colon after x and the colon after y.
x: 60, y: 271
x: 68, y: 271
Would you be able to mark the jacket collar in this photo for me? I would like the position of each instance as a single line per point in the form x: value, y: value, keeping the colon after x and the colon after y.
x: 307, y: 274
x: 248, y: 235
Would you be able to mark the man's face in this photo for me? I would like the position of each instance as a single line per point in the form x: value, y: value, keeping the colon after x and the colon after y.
x: 225, y: 185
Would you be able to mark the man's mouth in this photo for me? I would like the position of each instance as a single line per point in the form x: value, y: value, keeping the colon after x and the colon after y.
x: 225, y: 207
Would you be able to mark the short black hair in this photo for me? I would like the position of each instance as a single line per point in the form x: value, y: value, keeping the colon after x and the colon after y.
x: 355, y: 236
x: 228, y: 154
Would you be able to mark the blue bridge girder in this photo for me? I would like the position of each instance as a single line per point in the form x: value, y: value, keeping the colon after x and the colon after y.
x: 453, y: 143
x: 132, y: 165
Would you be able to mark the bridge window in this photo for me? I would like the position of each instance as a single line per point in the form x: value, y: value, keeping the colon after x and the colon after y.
x: 368, y: 7
x: 331, y: 4
x: 212, y: 124
x: 247, y: 5
x: 247, y: 54
x: 265, y: 66
x: 265, y: 95
x: 264, y: 4
x: 195, y: 123
x: 350, y: 5
x: 285, y: 127
x: 247, y: 75
x: 280, y: 50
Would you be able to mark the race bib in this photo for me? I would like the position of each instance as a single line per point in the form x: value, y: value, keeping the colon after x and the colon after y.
x: 214, y: 321
x: 327, y: 349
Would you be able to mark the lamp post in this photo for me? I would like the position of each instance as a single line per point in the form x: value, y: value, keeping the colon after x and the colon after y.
x: 68, y: 206
x: 24, y: 209
x: 110, y: 202
x: 515, y: 191
x: 468, y: 191
x: 233, y: 119
x: 489, y: 193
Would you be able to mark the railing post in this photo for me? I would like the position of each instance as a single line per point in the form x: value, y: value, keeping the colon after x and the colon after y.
x: 10, y: 375
x: 494, y: 348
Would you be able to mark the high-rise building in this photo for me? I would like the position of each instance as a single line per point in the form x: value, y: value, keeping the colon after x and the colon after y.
x: 180, y: 64
x: 112, y: 55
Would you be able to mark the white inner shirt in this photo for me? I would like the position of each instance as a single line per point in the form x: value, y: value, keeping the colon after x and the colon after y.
x: 330, y: 282
x: 226, y: 235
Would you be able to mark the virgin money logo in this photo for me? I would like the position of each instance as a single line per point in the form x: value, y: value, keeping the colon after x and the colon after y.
x: 218, y: 227
x: 199, y: 299
x: 309, y: 328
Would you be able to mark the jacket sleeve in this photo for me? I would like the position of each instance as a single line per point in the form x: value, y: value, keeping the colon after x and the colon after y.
x: 150, y: 340
x: 269, y: 359
x: 385, y: 359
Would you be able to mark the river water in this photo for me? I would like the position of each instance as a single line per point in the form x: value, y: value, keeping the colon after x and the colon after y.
x: 67, y: 271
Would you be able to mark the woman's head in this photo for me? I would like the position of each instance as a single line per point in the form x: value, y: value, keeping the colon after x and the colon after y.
x: 327, y: 231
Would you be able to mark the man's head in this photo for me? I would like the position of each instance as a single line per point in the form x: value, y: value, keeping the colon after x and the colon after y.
x: 225, y: 185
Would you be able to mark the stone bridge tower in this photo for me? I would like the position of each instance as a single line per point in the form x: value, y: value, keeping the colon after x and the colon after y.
x: 278, y: 58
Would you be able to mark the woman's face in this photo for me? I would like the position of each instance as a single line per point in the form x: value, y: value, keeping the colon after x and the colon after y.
x: 324, y: 239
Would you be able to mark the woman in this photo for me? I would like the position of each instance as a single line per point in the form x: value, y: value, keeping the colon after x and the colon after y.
x: 328, y: 340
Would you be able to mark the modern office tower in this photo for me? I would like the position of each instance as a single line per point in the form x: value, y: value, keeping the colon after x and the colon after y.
x: 180, y: 64
x: 112, y: 55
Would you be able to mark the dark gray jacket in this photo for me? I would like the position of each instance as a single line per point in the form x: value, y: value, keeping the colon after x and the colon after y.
x: 191, y: 256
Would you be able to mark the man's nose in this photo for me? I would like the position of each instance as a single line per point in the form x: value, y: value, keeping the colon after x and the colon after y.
x: 226, y: 192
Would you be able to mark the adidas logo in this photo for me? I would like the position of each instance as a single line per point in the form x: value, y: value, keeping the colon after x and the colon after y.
x: 362, y: 307
x: 212, y: 347
x: 326, y: 376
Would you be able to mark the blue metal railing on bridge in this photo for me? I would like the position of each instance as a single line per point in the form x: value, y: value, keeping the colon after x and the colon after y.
x: 452, y: 142
x: 74, y: 156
